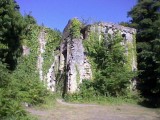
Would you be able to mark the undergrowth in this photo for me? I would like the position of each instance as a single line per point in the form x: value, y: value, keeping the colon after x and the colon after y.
x: 87, y: 94
x: 49, y: 101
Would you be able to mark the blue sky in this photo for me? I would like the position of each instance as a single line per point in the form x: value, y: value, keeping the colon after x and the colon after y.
x: 56, y: 13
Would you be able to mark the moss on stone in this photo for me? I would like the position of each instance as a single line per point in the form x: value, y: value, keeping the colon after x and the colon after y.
x: 77, y: 75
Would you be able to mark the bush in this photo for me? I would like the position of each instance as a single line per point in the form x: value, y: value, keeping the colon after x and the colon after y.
x: 89, y: 94
x: 112, y: 76
x: 85, y: 93
x: 9, y: 104
x: 75, y: 28
x: 27, y: 84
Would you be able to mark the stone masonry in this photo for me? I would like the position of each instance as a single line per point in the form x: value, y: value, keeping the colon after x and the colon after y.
x: 74, y: 60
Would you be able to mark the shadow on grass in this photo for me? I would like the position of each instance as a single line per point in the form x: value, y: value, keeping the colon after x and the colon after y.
x: 150, y: 103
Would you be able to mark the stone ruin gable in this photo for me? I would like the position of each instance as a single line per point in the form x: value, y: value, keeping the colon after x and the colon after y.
x: 106, y: 27
x: 110, y: 28
x: 49, y: 78
x: 74, y: 61
x: 71, y: 58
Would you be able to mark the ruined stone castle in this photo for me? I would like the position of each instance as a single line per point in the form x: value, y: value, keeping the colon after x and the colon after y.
x: 71, y: 60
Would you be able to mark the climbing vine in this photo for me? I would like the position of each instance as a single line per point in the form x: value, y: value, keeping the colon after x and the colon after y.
x: 130, y: 54
x: 90, y: 47
x: 53, y: 38
x: 77, y: 75
x: 108, y: 58
x: 31, y: 90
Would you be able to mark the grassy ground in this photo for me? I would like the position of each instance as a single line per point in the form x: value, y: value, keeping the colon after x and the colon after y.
x: 70, y: 111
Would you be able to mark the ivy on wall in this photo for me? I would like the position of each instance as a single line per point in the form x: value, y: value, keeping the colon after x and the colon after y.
x: 31, y: 90
x: 111, y: 67
x: 53, y: 38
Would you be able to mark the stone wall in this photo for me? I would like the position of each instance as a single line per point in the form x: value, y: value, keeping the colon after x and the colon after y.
x: 46, y: 68
x: 41, y: 50
x: 128, y: 34
x: 49, y: 79
x: 71, y: 59
x: 74, y: 59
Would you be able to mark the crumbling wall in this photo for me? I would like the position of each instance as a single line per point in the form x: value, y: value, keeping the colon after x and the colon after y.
x: 41, y: 50
x: 128, y: 34
x: 49, y: 78
x: 71, y: 59
x: 74, y: 59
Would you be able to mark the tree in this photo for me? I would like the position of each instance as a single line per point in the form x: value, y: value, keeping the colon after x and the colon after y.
x: 146, y: 19
x: 112, y: 75
x: 11, y: 24
x: 21, y: 84
x: 29, y: 19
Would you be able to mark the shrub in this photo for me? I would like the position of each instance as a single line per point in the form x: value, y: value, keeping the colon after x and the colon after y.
x: 75, y: 28
x: 9, y: 104
x: 112, y: 76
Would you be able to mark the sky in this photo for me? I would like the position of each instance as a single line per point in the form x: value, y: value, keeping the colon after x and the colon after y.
x: 56, y: 13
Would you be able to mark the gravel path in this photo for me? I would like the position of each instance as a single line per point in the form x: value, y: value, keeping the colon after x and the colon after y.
x: 67, y: 111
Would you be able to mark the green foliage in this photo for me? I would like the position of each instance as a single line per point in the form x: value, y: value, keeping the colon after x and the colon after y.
x: 29, y: 19
x: 53, y: 39
x: 126, y: 24
x: 11, y: 24
x: 60, y: 86
x: 75, y: 28
x: 132, y: 54
x: 9, y: 104
x: 49, y: 101
x: 88, y: 94
x: 146, y: 19
x: 112, y: 74
x: 27, y: 82
x: 22, y: 85
x: 77, y: 74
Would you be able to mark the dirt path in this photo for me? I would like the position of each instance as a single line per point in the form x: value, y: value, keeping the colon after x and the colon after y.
x: 67, y: 111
